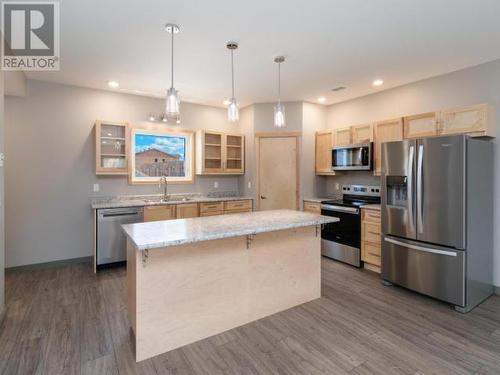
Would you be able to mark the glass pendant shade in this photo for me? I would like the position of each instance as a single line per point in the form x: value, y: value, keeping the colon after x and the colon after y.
x: 172, y: 108
x: 233, y: 113
x: 279, y: 115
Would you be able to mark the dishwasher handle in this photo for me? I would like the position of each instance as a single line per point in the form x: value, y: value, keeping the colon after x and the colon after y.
x: 110, y: 213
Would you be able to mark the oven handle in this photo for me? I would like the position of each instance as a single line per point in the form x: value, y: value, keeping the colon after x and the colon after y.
x: 330, y: 207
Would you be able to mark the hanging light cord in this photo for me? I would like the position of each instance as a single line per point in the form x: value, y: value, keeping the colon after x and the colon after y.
x: 279, y: 83
x: 173, y: 57
x: 232, y: 73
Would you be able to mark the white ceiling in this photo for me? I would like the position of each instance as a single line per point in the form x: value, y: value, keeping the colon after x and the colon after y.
x: 327, y: 43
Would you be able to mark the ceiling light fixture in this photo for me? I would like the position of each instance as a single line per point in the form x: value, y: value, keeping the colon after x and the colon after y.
x: 172, y: 105
x: 152, y: 117
x: 233, y: 114
x: 226, y: 102
x: 378, y: 82
x: 321, y: 99
x: 113, y: 84
x: 338, y: 88
x: 279, y: 109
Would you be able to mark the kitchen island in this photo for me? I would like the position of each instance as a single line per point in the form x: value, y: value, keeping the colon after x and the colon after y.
x: 189, y: 279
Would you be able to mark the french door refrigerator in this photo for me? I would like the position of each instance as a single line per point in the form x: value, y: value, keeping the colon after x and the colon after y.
x: 437, y: 217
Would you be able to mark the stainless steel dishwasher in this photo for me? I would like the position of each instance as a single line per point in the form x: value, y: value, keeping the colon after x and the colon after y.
x: 111, y: 240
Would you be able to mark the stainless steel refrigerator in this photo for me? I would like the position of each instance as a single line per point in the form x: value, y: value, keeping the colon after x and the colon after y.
x: 437, y: 217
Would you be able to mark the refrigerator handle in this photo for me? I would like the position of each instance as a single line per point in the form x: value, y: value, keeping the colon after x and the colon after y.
x: 421, y: 248
x: 411, y: 160
x: 420, y: 220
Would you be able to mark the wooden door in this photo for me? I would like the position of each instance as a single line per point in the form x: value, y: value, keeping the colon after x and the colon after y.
x: 323, y: 152
x: 471, y: 119
x: 157, y: 213
x: 234, y: 154
x: 419, y: 126
x: 386, y: 131
x: 212, y: 152
x: 342, y: 137
x: 278, y: 186
x: 362, y: 133
x: 187, y: 210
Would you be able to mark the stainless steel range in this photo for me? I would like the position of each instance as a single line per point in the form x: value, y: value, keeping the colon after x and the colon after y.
x: 342, y: 240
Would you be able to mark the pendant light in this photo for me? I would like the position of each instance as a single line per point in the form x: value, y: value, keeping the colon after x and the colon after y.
x: 279, y: 109
x: 172, y: 104
x: 232, y: 108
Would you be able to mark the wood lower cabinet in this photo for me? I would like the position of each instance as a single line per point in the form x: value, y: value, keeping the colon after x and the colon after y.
x: 371, y: 239
x: 187, y: 210
x: 385, y: 131
x: 342, y: 136
x: 323, y: 153
x: 422, y: 125
x: 237, y: 206
x: 362, y: 133
x: 157, y: 213
x: 314, y: 207
x: 211, y: 209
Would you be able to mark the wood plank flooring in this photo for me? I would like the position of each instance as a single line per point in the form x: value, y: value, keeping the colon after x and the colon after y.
x: 69, y: 321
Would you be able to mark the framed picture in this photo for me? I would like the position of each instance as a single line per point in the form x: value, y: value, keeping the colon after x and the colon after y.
x: 161, y: 152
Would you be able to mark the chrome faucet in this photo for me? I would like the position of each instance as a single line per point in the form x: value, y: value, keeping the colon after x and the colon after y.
x: 164, y: 183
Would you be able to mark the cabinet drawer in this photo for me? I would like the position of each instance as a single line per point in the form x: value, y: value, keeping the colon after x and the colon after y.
x: 156, y: 213
x: 370, y: 215
x: 245, y: 205
x: 312, y: 207
x: 211, y: 207
x: 211, y: 213
x: 187, y: 210
x: 371, y: 253
x: 371, y: 232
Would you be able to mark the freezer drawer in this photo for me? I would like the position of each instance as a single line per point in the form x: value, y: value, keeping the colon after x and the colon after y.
x: 436, y: 271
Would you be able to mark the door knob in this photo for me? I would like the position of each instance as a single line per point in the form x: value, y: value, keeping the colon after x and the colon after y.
x: 262, y: 197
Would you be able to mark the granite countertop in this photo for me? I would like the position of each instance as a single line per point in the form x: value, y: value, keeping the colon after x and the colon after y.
x: 157, y: 234
x: 316, y: 200
x: 371, y: 206
x: 155, y: 200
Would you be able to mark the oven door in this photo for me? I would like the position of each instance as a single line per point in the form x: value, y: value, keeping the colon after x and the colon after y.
x: 347, y: 231
x: 352, y: 157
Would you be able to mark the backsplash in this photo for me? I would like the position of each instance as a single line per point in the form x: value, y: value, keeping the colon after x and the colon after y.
x: 349, y: 178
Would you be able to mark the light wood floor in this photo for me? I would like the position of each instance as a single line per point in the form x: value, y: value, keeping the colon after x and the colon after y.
x: 68, y: 321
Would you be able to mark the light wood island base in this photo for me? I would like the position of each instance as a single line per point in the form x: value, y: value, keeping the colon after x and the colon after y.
x: 182, y: 294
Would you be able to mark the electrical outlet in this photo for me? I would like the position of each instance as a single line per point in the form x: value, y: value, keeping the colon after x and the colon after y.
x: 216, y: 184
x: 249, y: 184
x: 96, y: 188
x: 337, y: 186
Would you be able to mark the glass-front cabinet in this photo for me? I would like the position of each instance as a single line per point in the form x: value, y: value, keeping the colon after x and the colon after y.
x: 111, y: 148
x: 219, y: 153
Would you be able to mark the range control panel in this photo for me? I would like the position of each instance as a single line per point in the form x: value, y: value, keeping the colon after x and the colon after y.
x: 373, y: 191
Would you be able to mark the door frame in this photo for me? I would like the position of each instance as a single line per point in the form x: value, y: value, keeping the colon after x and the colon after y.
x: 298, y: 137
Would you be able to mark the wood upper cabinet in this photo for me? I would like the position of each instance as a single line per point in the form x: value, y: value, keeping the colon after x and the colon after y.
x: 111, y: 145
x: 157, y: 213
x: 422, y: 125
x: 323, y: 152
x: 385, y: 131
x: 476, y: 119
x: 362, y: 133
x: 219, y: 153
x: 342, y: 136
x: 187, y: 210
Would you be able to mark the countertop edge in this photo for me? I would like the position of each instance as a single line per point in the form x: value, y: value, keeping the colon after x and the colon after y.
x: 136, y: 203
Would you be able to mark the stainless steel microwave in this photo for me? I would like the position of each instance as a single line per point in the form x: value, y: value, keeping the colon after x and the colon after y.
x: 353, y: 157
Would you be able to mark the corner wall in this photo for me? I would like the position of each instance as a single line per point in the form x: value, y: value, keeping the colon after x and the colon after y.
x: 2, y: 200
x: 479, y: 84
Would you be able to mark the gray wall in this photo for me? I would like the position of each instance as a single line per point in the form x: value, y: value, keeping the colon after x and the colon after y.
x: 480, y: 84
x: 51, y: 163
x: 2, y: 200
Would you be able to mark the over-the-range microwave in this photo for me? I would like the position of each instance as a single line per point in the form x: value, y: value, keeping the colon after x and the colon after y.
x: 353, y: 157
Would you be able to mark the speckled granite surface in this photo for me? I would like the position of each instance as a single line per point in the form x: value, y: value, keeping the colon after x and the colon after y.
x: 316, y: 200
x: 183, y: 231
x: 154, y: 200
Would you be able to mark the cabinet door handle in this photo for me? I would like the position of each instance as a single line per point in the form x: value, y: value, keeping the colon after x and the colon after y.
x: 262, y: 197
x: 374, y: 233
x: 375, y: 255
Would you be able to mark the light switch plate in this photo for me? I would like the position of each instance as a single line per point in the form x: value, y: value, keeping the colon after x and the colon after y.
x: 249, y: 184
x: 216, y: 184
x: 96, y: 188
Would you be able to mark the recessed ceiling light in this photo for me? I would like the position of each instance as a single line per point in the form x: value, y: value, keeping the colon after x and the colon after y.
x: 321, y: 99
x: 113, y: 84
x: 378, y: 82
